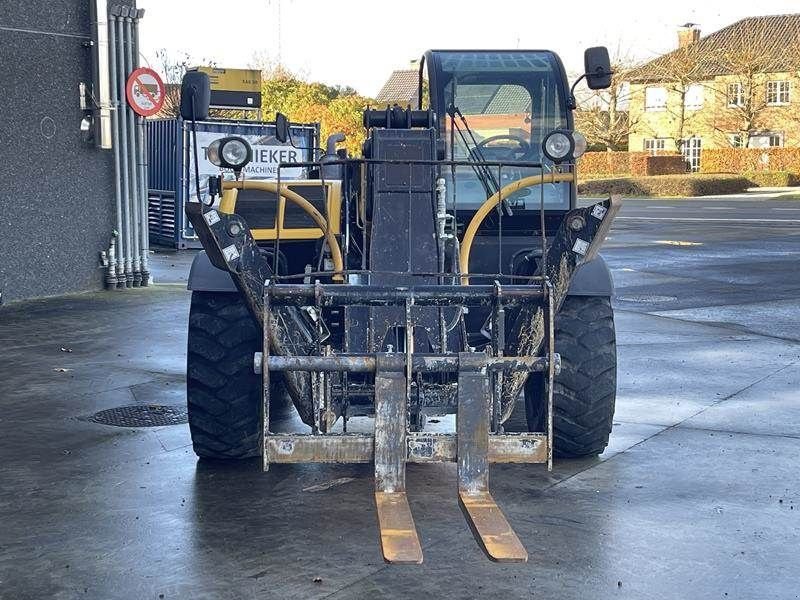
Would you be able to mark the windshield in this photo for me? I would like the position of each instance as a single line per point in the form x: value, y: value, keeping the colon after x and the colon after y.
x: 497, y: 106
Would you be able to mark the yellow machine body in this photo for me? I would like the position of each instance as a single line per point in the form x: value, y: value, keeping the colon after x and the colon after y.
x: 306, y: 197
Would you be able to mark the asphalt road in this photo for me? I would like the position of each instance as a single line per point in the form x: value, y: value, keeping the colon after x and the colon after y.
x: 702, y: 257
x: 697, y: 495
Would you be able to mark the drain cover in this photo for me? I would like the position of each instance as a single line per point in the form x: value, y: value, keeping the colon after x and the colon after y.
x: 141, y: 415
x: 647, y: 298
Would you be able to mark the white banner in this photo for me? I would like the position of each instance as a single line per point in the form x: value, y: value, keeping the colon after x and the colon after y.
x: 266, y: 157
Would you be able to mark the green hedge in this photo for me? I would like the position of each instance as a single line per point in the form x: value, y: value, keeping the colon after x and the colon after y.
x: 772, y: 178
x: 630, y: 164
x: 666, y: 185
x: 746, y: 160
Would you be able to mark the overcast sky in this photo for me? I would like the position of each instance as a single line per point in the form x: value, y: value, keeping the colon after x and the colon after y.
x: 359, y: 43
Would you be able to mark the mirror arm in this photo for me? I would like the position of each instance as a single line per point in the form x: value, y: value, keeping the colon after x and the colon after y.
x: 572, y: 104
x: 194, y: 141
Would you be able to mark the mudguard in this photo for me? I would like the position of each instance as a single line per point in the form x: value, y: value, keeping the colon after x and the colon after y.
x: 205, y: 277
x: 591, y: 279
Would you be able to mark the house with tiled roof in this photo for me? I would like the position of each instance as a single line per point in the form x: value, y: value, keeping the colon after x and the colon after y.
x: 737, y: 87
x: 401, y: 88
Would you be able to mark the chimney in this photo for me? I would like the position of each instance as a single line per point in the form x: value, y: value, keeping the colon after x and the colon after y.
x: 688, y: 34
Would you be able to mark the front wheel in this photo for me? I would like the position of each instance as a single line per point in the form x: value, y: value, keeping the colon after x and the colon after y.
x: 584, y: 392
x: 223, y: 392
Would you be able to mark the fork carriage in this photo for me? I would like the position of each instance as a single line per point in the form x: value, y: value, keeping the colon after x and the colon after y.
x: 474, y: 381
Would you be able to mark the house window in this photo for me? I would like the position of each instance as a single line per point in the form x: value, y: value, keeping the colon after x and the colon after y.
x: 777, y: 92
x: 735, y: 95
x: 655, y: 146
x: 691, y: 148
x: 693, y: 97
x: 736, y: 140
x: 767, y: 139
x: 655, y: 98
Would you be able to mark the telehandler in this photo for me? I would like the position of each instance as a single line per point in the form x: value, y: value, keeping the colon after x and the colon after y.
x: 447, y: 270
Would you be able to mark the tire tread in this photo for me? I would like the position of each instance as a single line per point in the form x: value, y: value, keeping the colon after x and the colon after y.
x: 223, y: 393
x: 584, y: 392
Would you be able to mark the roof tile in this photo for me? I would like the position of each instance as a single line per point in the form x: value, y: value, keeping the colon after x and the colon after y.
x: 401, y: 87
x: 769, y: 43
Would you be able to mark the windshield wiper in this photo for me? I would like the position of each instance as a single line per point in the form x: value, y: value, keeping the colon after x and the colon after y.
x: 483, y: 173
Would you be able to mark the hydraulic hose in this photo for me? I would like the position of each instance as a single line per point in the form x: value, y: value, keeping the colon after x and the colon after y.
x: 292, y: 196
x: 494, y: 200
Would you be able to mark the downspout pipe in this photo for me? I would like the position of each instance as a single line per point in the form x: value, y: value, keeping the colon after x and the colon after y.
x: 132, y: 156
x: 119, y: 279
x: 123, y: 145
x: 144, y: 230
x: 98, y: 10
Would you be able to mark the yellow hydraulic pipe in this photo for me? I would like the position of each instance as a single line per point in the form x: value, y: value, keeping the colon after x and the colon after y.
x: 494, y: 200
x: 292, y: 196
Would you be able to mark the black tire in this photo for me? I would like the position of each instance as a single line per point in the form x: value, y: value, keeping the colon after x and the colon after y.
x: 223, y: 393
x: 584, y: 393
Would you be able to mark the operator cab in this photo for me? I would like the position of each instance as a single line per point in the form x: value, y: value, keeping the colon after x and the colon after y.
x: 507, y: 108
x: 497, y: 107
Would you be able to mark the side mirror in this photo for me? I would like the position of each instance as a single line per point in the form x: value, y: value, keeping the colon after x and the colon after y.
x: 195, y: 96
x: 597, y: 67
x: 281, y: 128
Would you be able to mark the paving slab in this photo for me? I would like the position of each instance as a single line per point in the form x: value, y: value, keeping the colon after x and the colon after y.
x: 639, y: 328
x: 665, y: 383
x: 663, y: 520
x: 769, y: 407
x: 774, y: 318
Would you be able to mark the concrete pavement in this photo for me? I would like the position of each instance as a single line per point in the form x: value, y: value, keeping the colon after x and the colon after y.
x: 698, y: 495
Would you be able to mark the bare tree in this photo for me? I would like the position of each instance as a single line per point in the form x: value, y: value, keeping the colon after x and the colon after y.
x: 732, y: 69
x: 172, y: 68
x: 678, y: 72
x: 603, y: 116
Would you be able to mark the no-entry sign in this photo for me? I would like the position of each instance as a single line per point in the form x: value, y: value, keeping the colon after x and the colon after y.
x: 145, y: 92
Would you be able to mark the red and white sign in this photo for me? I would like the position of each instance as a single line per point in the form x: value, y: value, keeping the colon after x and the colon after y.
x: 145, y: 92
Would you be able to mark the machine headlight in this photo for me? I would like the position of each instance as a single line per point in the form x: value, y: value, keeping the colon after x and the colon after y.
x: 235, y: 152
x: 230, y: 153
x: 580, y: 144
x: 212, y: 153
x: 558, y: 145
